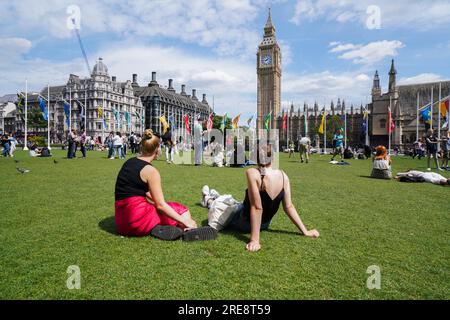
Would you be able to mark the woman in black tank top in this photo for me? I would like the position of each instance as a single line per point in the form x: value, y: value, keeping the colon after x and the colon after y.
x: 259, y: 206
x: 140, y: 207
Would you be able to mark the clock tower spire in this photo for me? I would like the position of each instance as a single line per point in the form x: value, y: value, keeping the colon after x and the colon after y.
x: 268, y: 69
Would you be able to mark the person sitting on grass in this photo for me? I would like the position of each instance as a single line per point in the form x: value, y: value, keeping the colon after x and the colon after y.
x: 266, y: 189
x: 140, y: 207
x: 381, y: 164
x: 419, y: 176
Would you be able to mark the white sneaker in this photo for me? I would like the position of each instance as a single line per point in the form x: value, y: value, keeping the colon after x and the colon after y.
x: 205, y: 190
x: 214, y: 194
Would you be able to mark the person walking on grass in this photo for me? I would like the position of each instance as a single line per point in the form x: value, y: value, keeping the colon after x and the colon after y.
x: 304, y: 146
x: 83, y: 142
x: 291, y: 149
x: 6, y: 144
x: 432, y: 146
x: 339, y: 145
x: 266, y: 189
x: 140, y: 205
x: 110, y: 144
x: 118, y: 146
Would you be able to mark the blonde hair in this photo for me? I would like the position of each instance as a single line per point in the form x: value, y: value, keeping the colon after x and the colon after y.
x: 150, y: 142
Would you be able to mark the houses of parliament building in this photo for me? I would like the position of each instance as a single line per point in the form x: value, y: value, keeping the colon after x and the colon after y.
x: 306, y: 120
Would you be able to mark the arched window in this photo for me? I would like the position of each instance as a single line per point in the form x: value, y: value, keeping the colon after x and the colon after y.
x: 382, y: 123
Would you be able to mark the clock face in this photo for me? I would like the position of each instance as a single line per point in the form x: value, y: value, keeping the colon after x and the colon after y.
x: 267, y: 59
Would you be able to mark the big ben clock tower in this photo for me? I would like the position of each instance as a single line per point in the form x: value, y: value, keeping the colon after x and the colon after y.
x: 268, y: 68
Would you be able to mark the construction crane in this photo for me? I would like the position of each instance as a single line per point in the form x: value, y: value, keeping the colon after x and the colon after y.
x: 82, y: 48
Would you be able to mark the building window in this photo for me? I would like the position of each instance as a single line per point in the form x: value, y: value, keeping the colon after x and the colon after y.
x: 383, y: 123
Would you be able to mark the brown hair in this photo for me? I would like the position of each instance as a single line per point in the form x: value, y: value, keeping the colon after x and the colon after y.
x: 264, y: 155
x: 150, y: 142
x: 381, y: 152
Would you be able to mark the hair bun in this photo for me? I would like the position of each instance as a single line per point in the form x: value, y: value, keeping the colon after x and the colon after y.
x: 148, y: 134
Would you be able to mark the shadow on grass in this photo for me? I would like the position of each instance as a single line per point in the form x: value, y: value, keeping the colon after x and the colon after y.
x: 237, y: 234
x: 108, y: 225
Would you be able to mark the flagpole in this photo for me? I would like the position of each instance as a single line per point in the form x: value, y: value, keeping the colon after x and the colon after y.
x: 48, y: 118
x: 70, y: 109
x: 417, y: 119
x: 389, y: 125
x: 25, y: 147
x: 325, y: 132
x: 345, y: 129
x: 439, y: 115
x: 431, y: 122
x: 85, y: 105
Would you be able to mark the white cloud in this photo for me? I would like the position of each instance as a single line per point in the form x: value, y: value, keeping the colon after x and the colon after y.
x: 326, y: 86
x: 420, y: 78
x: 13, y: 48
x: 224, y: 26
x: 411, y: 14
x: 370, y: 53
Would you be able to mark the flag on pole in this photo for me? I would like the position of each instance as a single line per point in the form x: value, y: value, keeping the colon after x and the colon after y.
x: 172, y: 122
x: 364, y: 124
x: 100, y: 112
x: 267, y: 121
x: 116, y: 114
x: 236, y: 121
x: 209, y: 122
x: 186, y: 123
x: 80, y: 110
x: 66, y: 106
x: 21, y: 105
x: 444, y: 108
x: 43, y: 107
x: 285, y: 122
x: 164, y: 123
x: 249, y: 121
x: 391, y: 124
x: 224, y: 121
x: 426, y: 116
x: 322, y: 123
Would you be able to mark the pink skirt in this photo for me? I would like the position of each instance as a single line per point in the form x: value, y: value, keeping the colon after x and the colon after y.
x: 136, y: 217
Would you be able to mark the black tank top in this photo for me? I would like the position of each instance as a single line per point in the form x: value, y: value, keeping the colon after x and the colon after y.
x: 270, y: 206
x: 129, y: 182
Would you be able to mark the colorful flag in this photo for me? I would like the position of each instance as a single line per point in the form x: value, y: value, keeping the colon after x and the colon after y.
x: 100, y: 112
x: 285, y: 121
x: 67, y: 112
x: 172, y: 122
x: 236, y: 121
x: 209, y: 124
x: 21, y: 105
x: 164, y: 123
x: 267, y: 121
x: 186, y: 123
x: 116, y: 114
x: 249, y: 121
x: 391, y: 125
x: 426, y: 116
x: 444, y: 108
x: 80, y: 110
x: 43, y: 107
x: 224, y: 122
x: 364, y: 124
x: 322, y: 123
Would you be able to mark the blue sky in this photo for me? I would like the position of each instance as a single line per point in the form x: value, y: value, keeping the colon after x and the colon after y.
x: 328, y: 49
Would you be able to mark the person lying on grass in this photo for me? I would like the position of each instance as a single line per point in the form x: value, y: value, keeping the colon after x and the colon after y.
x: 140, y: 208
x: 419, y: 176
x: 266, y: 189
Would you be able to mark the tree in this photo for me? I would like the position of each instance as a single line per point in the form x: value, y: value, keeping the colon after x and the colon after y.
x: 217, y: 122
x: 35, y: 119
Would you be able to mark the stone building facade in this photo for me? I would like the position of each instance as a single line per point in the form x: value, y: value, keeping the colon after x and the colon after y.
x: 144, y: 105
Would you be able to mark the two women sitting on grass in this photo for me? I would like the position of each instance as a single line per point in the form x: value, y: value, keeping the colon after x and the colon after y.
x: 267, y: 188
x: 381, y: 164
x: 140, y: 208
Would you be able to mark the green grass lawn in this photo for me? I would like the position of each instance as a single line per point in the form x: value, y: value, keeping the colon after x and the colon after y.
x: 63, y: 214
